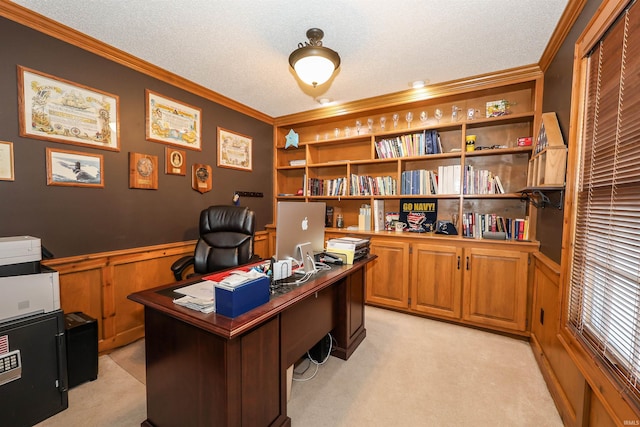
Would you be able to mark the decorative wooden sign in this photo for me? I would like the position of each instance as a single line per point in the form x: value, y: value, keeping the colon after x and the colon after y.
x: 143, y: 171
x: 201, y: 178
x: 175, y: 161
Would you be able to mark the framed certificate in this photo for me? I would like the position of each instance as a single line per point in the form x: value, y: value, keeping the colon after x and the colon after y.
x: 6, y: 161
x: 55, y: 109
x: 173, y: 122
x: 234, y: 150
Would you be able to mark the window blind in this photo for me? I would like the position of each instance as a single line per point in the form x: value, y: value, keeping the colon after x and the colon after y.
x: 604, y: 306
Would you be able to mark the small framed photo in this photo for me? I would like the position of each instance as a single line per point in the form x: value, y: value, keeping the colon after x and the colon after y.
x: 55, y: 109
x: 6, y: 161
x: 175, y: 161
x: 75, y: 169
x: 143, y: 171
x: 234, y: 150
x: 173, y: 122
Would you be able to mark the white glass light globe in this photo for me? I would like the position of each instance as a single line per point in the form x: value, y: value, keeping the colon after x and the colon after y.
x: 314, y: 70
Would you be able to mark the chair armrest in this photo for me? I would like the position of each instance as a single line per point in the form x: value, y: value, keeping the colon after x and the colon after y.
x: 180, y: 265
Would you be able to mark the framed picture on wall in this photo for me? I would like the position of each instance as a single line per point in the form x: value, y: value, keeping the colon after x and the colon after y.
x: 74, y: 169
x: 175, y: 161
x: 234, y: 150
x: 143, y: 171
x: 173, y: 122
x: 55, y: 109
x: 6, y: 161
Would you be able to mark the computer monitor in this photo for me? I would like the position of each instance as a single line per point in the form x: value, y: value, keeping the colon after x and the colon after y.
x: 298, y: 223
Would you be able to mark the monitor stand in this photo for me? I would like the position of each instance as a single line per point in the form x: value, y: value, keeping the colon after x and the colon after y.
x: 307, y: 258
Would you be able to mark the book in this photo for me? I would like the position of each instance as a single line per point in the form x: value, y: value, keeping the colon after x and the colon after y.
x: 499, y: 186
x: 419, y: 215
x: 378, y: 213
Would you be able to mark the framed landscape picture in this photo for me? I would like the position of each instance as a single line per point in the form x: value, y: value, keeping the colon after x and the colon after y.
x: 173, y: 122
x: 74, y: 169
x: 234, y: 150
x: 55, y: 109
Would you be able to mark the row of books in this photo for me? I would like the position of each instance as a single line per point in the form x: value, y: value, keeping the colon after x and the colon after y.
x: 327, y: 187
x: 479, y: 225
x: 446, y: 180
x: 417, y: 144
x: 419, y: 181
x: 365, y: 185
x: 481, y: 181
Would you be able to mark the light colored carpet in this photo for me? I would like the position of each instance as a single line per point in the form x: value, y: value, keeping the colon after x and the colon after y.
x: 409, y: 371
x: 115, y: 399
x: 412, y: 371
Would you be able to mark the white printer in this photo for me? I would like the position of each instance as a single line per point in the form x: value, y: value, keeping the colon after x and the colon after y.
x: 26, y: 287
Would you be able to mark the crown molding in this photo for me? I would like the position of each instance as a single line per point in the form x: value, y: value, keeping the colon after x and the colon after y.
x: 454, y: 87
x: 566, y: 22
x: 69, y: 35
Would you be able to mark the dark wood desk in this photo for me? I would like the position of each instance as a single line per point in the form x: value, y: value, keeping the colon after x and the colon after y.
x: 211, y: 370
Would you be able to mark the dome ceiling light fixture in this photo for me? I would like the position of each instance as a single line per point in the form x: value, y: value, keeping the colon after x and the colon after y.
x: 313, y: 63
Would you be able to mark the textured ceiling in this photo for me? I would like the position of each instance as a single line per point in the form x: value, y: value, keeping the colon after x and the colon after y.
x: 240, y: 48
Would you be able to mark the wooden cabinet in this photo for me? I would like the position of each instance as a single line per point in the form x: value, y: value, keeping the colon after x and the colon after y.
x: 436, y: 280
x: 478, y: 283
x: 388, y: 275
x: 495, y: 288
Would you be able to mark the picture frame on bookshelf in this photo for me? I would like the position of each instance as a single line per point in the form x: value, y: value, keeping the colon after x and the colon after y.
x: 419, y: 215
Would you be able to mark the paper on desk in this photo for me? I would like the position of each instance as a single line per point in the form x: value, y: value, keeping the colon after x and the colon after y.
x: 205, y: 306
x: 238, y: 277
x: 200, y: 290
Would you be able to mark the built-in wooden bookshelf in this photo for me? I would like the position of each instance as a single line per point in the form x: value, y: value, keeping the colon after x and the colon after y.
x: 337, y: 149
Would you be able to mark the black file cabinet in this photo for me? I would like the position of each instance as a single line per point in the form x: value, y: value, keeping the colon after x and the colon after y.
x: 82, y: 348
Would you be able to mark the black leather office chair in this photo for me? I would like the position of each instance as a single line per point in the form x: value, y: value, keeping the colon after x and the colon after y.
x: 226, y: 240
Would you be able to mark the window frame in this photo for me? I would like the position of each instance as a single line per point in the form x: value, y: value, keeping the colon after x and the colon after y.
x: 603, y: 383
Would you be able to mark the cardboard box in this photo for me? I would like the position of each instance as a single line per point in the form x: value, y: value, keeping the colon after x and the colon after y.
x: 244, y: 297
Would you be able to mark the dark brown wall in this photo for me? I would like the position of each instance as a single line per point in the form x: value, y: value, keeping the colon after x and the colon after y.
x: 73, y: 220
x: 557, y: 98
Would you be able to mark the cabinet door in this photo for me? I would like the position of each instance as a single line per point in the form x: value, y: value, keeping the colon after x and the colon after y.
x: 495, y: 288
x: 436, y: 280
x: 388, y: 275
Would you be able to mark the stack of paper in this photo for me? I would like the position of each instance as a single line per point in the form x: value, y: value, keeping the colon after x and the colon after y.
x: 237, y: 278
x: 198, y: 296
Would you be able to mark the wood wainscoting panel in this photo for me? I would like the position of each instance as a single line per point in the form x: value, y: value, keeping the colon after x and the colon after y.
x: 131, y: 275
x: 82, y: 291
x: 563, y: 378
x: 98, y: 285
